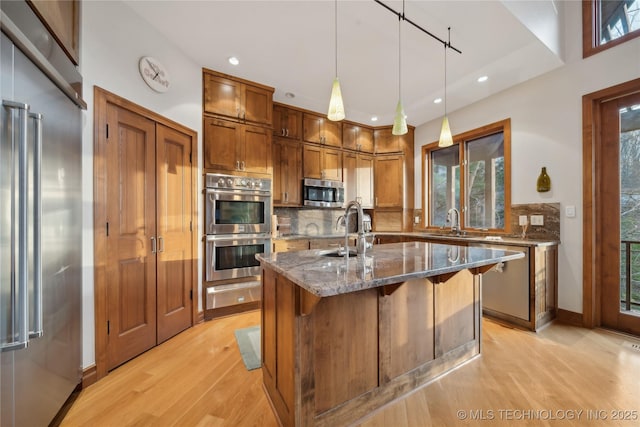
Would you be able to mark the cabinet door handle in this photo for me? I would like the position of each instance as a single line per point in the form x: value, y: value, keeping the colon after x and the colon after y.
x: 287, y: 132
x: 238, y: 112
x: 161, y: 241
x: 286, y: 196
x: 237, y: 165
x: 282, y: 132
x: 376, y: 201
x: 153, y: 245
x: 242, y: 165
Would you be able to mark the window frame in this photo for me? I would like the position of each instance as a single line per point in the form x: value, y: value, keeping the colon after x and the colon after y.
x: 460, y: 141
x: 590, y: 31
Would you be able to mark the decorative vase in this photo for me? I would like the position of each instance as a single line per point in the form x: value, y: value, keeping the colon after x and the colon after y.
x: 544, y: 182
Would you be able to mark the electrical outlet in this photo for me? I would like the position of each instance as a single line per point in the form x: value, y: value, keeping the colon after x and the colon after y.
x: 523, y: 220
x: 570, y: 211
x: 537, y: 219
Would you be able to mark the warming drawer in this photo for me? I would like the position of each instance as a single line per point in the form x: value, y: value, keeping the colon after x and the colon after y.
x: 233, y: 294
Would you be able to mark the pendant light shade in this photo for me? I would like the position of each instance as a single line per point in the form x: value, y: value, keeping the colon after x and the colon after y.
x: 400, y: 119
x: 446, y: 140
x: 336, y: 106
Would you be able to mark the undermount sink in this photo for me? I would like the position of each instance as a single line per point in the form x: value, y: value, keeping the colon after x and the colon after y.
x: 335, y: 253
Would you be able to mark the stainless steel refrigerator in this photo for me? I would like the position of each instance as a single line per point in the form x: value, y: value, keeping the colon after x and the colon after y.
x: 40, y: 221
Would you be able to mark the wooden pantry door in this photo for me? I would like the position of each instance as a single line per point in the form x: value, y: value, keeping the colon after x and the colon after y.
x: 145, y: 242
x: 131, y: 231
x: 175, y: 252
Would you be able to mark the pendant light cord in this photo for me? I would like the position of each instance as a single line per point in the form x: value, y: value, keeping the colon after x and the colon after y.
x: 445, y: 71
x: 399, y: 57
x: 335, y: 10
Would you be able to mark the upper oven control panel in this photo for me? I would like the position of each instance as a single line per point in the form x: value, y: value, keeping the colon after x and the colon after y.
x: 232, y: 182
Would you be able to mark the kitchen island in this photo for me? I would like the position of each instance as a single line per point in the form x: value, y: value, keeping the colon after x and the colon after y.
x: 343, y: 337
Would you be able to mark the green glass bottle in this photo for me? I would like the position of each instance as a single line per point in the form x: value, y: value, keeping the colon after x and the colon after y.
x: 544, y: 182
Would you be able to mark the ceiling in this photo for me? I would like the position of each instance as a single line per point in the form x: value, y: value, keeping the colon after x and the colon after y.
x: 290, y: 45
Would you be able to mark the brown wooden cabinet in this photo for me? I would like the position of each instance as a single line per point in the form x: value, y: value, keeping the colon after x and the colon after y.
x: 287, y: 122
x: 287, y: 173
x: 232, y: 146
x: 386, y: 142
x: 320, y: 130
x: 389, y: 181
x: 358, y: 178
x: 239, y: 99
x: 322, y: 163
x: 356, y: 137
x: 63, y: 19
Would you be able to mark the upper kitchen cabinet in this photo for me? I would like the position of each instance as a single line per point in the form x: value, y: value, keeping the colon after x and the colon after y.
x: 320, y: 130
x: 386, y: 142
x: 287, y: 172
x: 237, y: 98
x: 356, y: 137
x: 230, y: 146
x: 321, y: 163
x: 358, y: 178
x: 287, y: 122
x: 62, y: 17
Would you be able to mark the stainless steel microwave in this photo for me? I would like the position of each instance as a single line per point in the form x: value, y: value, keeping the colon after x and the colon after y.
x: 323, y: 193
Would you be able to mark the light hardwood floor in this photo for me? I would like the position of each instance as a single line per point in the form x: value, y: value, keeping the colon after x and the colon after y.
x: 561, y: 376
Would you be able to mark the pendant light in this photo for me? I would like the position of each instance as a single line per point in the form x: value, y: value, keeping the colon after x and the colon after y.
x: 400, y: 120
x: 336, y: 106
x: 446, y: 140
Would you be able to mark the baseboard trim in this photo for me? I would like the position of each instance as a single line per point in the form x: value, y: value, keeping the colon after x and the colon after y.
x: 89, y: 376
x: 570, y: 317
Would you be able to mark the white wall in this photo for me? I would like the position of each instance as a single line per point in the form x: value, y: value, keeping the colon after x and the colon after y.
x: 113, y: 40
x: 546, y: 125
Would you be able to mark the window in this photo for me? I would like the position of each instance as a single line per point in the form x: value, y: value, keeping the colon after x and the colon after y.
x: 473, y: 176
x: 607, y: 23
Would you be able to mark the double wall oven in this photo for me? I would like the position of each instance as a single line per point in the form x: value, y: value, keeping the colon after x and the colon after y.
x: 237, y: 226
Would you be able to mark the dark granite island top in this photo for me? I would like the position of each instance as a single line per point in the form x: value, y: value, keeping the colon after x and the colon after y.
x: 324, y: 276
x: 342, y: 338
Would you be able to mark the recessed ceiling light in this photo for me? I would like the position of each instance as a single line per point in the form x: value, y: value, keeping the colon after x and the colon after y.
x: 290, y: 95
x: 437, y: 100
x: 374, y: 118
x: 482, y: 79
x: 233, y: 60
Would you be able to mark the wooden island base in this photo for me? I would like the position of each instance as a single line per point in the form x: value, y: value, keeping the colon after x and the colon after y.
x: 331, y: 361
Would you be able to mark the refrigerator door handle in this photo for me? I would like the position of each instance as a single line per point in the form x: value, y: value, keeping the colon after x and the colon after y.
x: 37, y: 228
x: 19, y: 328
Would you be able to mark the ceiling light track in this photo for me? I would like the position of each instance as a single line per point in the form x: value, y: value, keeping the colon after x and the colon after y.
x: 402, y: 16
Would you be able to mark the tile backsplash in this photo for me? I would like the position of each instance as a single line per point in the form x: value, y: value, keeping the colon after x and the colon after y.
x: 549, y: 211
x: 311, y: 222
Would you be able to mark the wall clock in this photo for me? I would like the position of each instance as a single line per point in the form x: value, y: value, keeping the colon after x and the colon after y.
x: 154, y: 74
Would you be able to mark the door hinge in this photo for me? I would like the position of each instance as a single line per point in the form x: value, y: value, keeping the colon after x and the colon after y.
x: 191, y: 294
x: 107, y: 130
x: 108, y: 327
x: 107, y: 229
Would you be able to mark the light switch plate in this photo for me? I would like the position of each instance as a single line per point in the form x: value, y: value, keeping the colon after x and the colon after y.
x: 523, y: 220
x: 570, y: 211
x: 537, y: 219
x: 416, y: 219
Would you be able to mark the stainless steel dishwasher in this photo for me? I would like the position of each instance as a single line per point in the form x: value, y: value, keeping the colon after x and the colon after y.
x: 505, y: 288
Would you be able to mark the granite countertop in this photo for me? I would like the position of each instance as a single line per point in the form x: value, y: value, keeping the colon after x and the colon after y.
x: 485, y: 239
x: 384, y: 264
